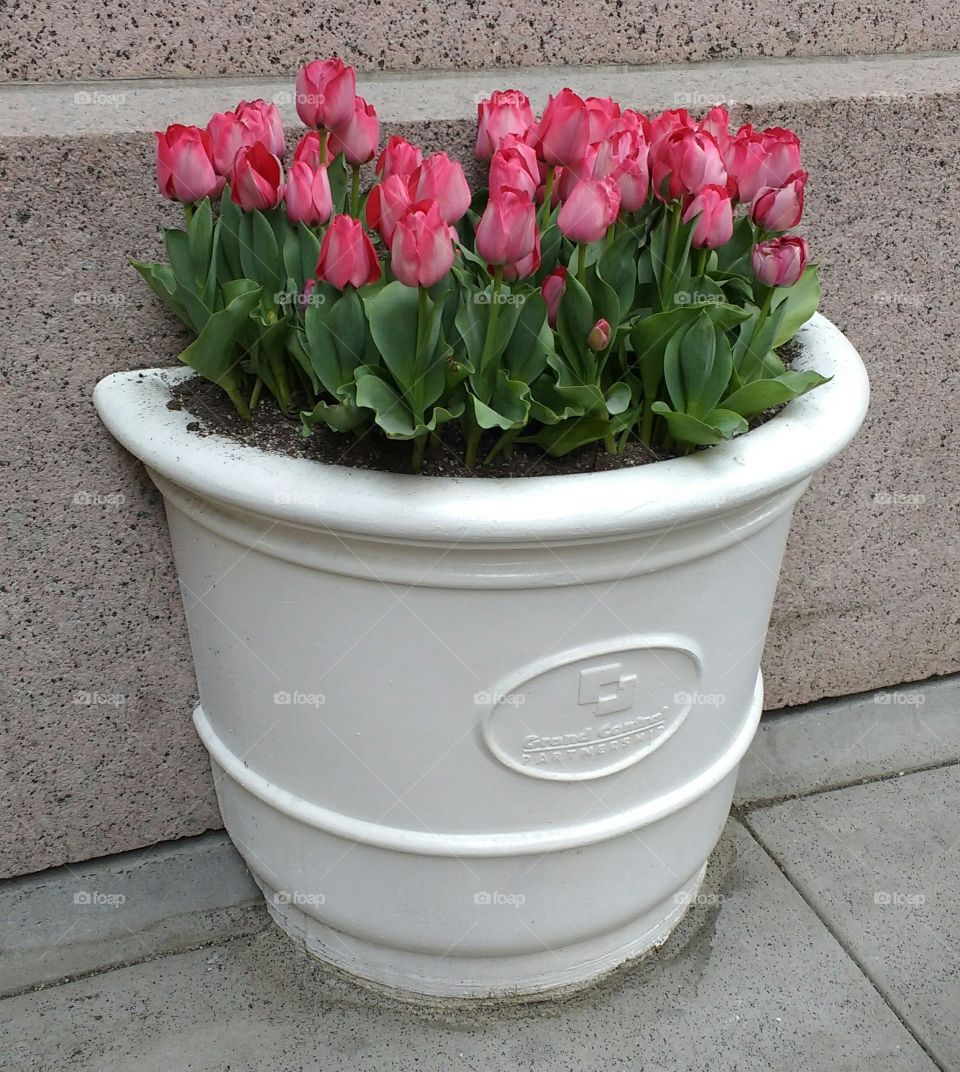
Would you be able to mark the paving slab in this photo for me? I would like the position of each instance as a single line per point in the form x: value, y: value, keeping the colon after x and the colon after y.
x: 73, y: 920
x: 834, y: 743
x: 880, y: 863
x: 751, y: 982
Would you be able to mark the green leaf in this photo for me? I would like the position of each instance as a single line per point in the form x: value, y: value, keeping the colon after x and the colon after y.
x: 567, y: 435
x: 214, y: 353
x: 390, y: 410
x: 618, y: 398
x: 716, y: 426
x: 618, y: 269
x: 761, y: 395
x: 800, y: 301
x: 509, y: 404
x: 393, y: 315
x: 574, y: 321
x: 341, y: 417
x: 525, y: 355
x: 163, y: 283
x: 231, y: 216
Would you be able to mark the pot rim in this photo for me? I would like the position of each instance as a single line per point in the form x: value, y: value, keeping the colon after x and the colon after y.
x: 803, y: 437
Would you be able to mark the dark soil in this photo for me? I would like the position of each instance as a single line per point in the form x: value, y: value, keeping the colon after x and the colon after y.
x: 270, y: 430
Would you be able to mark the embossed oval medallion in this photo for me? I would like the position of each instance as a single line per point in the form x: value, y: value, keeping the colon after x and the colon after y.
x: 592, y: 711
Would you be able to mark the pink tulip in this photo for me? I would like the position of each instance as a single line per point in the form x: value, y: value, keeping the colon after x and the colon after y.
x: 399, y: 158
x: 633, y: 121
x: 308, y: 151
x: 250, y: 122
x: 602, y: 113
x: 563, y: 133
x: 780, y: 209
x: 599, y: 337
x: 307, y: 194
x: 589, y: 210
x: 624, y: 156
x: 716, y: 123
x: 685, y: 162
x: 256, y: 181
x: 515, y: 166
x: 442, y: 180
x: 325, y: 94
x: 421, y: 251
x: 565, y: 179
x: 526, y: 266
x: 388, y: 202
x: 713, y: 208
x: 506, y: 112
x: 347, y: 255
x: 781, y: 261
x: 507, y: 231
x: 552, y: 289
x: 185, y: 169
x: 757, y: 159
x: 358, y: 139
x: 667, y: 123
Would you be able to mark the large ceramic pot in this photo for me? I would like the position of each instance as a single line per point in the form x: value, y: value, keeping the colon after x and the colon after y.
x: 472, y: 736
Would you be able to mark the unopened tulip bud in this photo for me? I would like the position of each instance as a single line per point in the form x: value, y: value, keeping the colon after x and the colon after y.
x: 599, y: 337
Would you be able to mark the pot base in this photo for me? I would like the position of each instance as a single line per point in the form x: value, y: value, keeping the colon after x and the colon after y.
x: 417, y: 977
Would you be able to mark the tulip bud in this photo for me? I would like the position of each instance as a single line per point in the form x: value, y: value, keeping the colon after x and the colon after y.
x: 421, y: 251
x: 347, y: 255
x: 442, y: 180
x: 758, y: 159
x: 185, y: 169
x: 358, y: 139
x: 250, y: 122
x: 552, y: 289
x: 507, y: 231
x: 685, y: 162
x: 388, y: 202
x: 713, y: 209
x: 256, y: 181
x: 716, y: 123
x: 307, y: 194
x: 308, y: 151
x: 599, y: 337
x: 399, y: 158
x: 325, y: 94
x: 507, y: 111
x: 589, y: 210
x: 781, y: 261
x: 514, y: 167
x: 563, y: 133
x: 780, y: 209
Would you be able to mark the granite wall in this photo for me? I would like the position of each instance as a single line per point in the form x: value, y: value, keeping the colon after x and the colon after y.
x: 96, y: 684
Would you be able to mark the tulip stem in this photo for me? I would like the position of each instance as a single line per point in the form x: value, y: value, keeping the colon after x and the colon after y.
x: 765, y: 302
x: 255, y: 397
x: 700, y: 262
x: 581, y: 261
x: 188, y: 210
x: 355, y: 193
x: 324, y: 135
x: 547, y: 195
x: 419, y: 449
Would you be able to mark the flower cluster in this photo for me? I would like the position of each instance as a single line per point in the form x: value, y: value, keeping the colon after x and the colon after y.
x: 619, y: 277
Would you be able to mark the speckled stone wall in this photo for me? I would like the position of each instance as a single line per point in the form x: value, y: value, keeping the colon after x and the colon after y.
x: 97, y: 749
x: 139, y: 39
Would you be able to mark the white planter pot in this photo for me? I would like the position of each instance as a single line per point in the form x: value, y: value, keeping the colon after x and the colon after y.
x: 478, y: 737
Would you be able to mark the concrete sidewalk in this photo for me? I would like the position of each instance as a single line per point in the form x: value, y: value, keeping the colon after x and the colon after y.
x: 826, y: 937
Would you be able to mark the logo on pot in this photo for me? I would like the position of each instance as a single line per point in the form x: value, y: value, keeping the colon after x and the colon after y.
x: 591, y: 712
